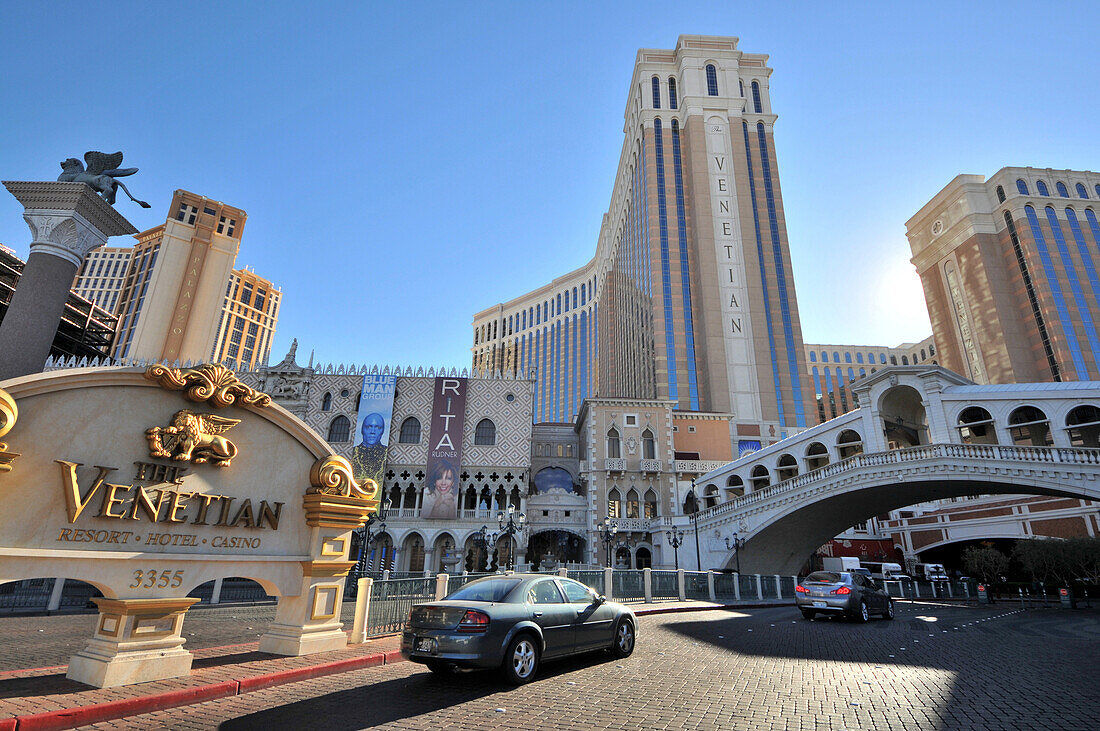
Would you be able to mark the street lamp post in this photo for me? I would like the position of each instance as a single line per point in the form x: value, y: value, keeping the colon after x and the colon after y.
x: 511, y: 523
x: 695, y: 523
x: 675, y: 539
x: 487, y: 540
x: 366, y: 533
x: 735, y: 545
x: 607, y: 531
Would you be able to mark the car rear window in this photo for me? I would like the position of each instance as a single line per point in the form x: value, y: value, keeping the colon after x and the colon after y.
x: 824, y: 577
x: 484, y: 590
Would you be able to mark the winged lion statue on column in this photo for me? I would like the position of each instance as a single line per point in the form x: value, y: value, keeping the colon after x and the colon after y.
x: 100, y: 174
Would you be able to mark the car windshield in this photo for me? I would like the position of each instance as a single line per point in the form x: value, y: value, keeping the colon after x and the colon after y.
x: 825, y: 577
x: 484, y: 590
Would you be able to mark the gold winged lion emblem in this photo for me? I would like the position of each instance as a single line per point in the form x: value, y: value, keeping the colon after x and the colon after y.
x: 194, y: 438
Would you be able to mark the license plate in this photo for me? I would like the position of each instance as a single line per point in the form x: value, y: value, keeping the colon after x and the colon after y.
x: 425, y: 644
x: 821, y: 604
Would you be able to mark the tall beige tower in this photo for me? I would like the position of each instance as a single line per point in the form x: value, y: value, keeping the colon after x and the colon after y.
x: 174, y: 291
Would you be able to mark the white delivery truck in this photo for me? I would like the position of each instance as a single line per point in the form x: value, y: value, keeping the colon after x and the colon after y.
x: 840, y: 563
x: 886, y: 571
x: 931, y: 572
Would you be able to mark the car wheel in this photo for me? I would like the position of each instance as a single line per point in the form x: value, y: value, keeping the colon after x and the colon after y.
x: 889, y: 613
x: 521, y: 660
x: 440, y: 667
x: 863, y: 614
x: 623, y: 643
x: 806, y: 614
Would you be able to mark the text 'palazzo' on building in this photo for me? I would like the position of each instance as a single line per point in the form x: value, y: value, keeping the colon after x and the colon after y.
x: 690, y: 296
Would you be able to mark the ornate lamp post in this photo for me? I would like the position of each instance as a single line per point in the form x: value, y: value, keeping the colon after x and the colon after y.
x: 607, y: 530
x: 510, y: 524
x: 487, y: 540
x: 366, y: 533
x: 675, y: 539
x: 735, y: 545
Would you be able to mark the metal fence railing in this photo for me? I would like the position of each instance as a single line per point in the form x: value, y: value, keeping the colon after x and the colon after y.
x: 590, y: 578
x: 786, y: 585
x: 628, y: 585
x: 768, y: 587
x: 664, y: 585
x: 696, y: 585
x: 749, y: 587
x: 390, y: 602
x: 725, y: 587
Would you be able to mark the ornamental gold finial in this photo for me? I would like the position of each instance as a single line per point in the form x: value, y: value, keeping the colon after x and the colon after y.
x: 333, y: 475
x: 9, y: 412
x: 215, y: 385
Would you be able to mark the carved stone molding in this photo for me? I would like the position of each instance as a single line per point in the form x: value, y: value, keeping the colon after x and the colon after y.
x: 212, y: 384
x: 9, y: 412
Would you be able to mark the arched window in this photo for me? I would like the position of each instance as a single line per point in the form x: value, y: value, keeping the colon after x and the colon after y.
x: 1000, y: 194
x: 614, y: 504
x: 1062, y: 190
x: 741, y: 87
x: 326, y: 402
x: 759, y: 478
x: 976, y: 426
x: 882, y: 359
x: 905, y: 360
x: 836, y: 357
x: 824, y: 357
x: 650, y: 504
x: 848, y: 357
x: 1042, y: 187
x: 339, y: 430
x: 671, y: 93
x: 710, y: 496
x: 923, y: 356
x: 859, y: 357
x: 849, y: 444
x: 358, y: 399
x: 1021, y: 186
x: 813, y: 357
x: 613, y: 451
x: 485, y: 433
x: 632, y: 503
x: 735, y: 487
x: 817, y: 456
x: 1082, y: 192
x: 1029, y: 427
x: 786, y: 467
x: 863, y: 372
x: 1097, y: 189
x: 893, y: 360
x: 656, y: 84
x: 756, y: 98
x: 410, y: 431
x: 1083, y: 423
x: 649, y: 446
x: 712, y: 80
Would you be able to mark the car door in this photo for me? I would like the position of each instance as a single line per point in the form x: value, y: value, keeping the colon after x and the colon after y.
x: 557, y: 619
x: 870, y: 592
x: 594, y: 619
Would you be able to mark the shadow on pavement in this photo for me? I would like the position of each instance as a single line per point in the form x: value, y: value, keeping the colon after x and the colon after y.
x: 375, y: 704
x: 39, y: 685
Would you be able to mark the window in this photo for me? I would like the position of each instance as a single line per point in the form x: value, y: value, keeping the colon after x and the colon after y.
x: 976, y: 426
x: 410, y: 431
x: 817, y: 456
x: 741, y: 87
x: 671, y: 93
x: 813, y: 357
x: 344, y: 393
x: 1062, y: 191
x: 1081, y: 192
x: 1029, y: 427
x: 187, y: 214
x: 849, y: 444
x: 544, y: 592
x: 786, y: 467
x: 859, y: 357
x: 759, y: 478
x: 712, y: 80
x: 905, y: 360
x: 649, y: 446
x: 631, y: 419
x: 1042, y: 187
x: 656, y: 93
x: 226, y: 225
x: 1083, y: 423
x: 485, y: 433
x: 326, y: 402
x: 614, y: 501
x: 836, y: 357
x: 339, y: 430
x: 576, y: 593
x: 847, y: 357
x: 1000, y: 194
x: 650, y: 504
x: 1022, y: 187
x: 209, y: 211
x: 632, y: 504
x: 1097, y: 189
x: 613, y: 444
x: 824, y: 357
x: 757, y: 107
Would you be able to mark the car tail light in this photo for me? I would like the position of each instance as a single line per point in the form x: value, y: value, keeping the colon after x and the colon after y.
x: 842, y: 590
x: 801, y: 589
x: 474, y: 621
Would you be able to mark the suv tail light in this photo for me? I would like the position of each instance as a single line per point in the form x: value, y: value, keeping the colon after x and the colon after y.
x: 842, y: 590
x: 474, y: 621
x: 801, y: 589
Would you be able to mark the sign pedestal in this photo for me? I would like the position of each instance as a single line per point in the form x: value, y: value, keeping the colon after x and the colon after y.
x: 136, y: 640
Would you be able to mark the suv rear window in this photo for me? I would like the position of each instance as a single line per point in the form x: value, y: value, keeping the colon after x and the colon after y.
x: 825, y: 577
x: 484, y: 590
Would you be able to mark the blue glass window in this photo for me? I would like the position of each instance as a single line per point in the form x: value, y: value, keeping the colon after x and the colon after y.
x: 712, y: 80
x: 882, y: 358
x: 836, y: 357
x: 666, y: 266
x: 859, y: 357
x: 1000, y: 194
x: 824, y: 357
x: 1090, y: 272
x: 1021, y: 186
x: 671, y: 93
x: 1056, y: 291
x: 1082, y: 192
x: 756, y: 98
x: 685, y: 275
x: 1062, y: 191
x: 656, y: 93
x: 813, y: 357
x: 1042, y: 187
x: 862, y: 372
x: 574, y: 297
x: 1097, y: 191
x: 847, y: 357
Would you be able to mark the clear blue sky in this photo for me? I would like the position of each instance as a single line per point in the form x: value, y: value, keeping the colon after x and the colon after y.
x: 405, y: 165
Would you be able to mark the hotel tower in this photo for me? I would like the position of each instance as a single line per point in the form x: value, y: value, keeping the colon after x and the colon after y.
x: 690, y: 296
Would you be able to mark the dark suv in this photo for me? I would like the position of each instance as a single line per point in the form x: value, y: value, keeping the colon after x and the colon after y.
x: 844, y: 593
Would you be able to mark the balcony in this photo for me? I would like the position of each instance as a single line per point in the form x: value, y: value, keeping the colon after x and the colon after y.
x: 650, y: 465
x: 697, y: 466
x: 615, y: 465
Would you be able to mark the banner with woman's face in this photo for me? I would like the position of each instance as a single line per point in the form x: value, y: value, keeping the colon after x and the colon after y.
x: 441, y: 485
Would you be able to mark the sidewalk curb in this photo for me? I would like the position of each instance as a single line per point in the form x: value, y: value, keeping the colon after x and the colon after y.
x: 84, y: 715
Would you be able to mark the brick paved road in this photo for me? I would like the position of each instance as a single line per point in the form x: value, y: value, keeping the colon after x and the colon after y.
x: 934, y: 667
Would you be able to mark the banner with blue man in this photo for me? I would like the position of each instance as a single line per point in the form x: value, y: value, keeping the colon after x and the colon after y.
x: 372, y: 426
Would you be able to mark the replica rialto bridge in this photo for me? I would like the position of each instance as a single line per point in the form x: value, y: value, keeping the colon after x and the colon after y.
x: 921, y: 433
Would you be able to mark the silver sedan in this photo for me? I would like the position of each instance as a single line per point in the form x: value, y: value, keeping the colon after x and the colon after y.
x: 842, y: 593
x: 513, y: 622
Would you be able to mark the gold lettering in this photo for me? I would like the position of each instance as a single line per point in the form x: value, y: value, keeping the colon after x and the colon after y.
x: 74, y: 503
x: 110, y: 500
x: 141, y: 500
x: 200, y: 519
x: 178, y: 500
x: 226, y: 502
x: 269, y: 515
x: 245, y: 514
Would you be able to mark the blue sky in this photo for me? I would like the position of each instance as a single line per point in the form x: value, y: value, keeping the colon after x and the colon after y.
x: 405, y: 165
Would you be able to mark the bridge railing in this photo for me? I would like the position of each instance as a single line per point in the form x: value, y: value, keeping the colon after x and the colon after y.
x: 1050, y: 455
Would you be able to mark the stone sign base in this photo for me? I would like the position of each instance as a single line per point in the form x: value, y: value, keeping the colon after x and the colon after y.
x: 136, y: 640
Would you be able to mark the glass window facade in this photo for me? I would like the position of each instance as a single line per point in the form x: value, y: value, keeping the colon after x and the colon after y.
x: 666, y: 266
x: 1062, y: 190
x: 1056, y: 292
x: 1021, y: 186
x: 1042, y: 187
x: 1082, y: 192
x: 685, y: 275
x: 756, y: 105
x: 671, y: 93
x: 656, y: 84
x: 712, y: 80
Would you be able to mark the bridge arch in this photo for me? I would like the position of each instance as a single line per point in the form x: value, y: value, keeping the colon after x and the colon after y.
x: 904, y: 419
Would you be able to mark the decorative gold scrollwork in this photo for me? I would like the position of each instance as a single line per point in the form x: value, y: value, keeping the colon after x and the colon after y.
x: 9, y: 412
x: 333, y: 475
x: 208, y: 383
x: 193, y: 438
